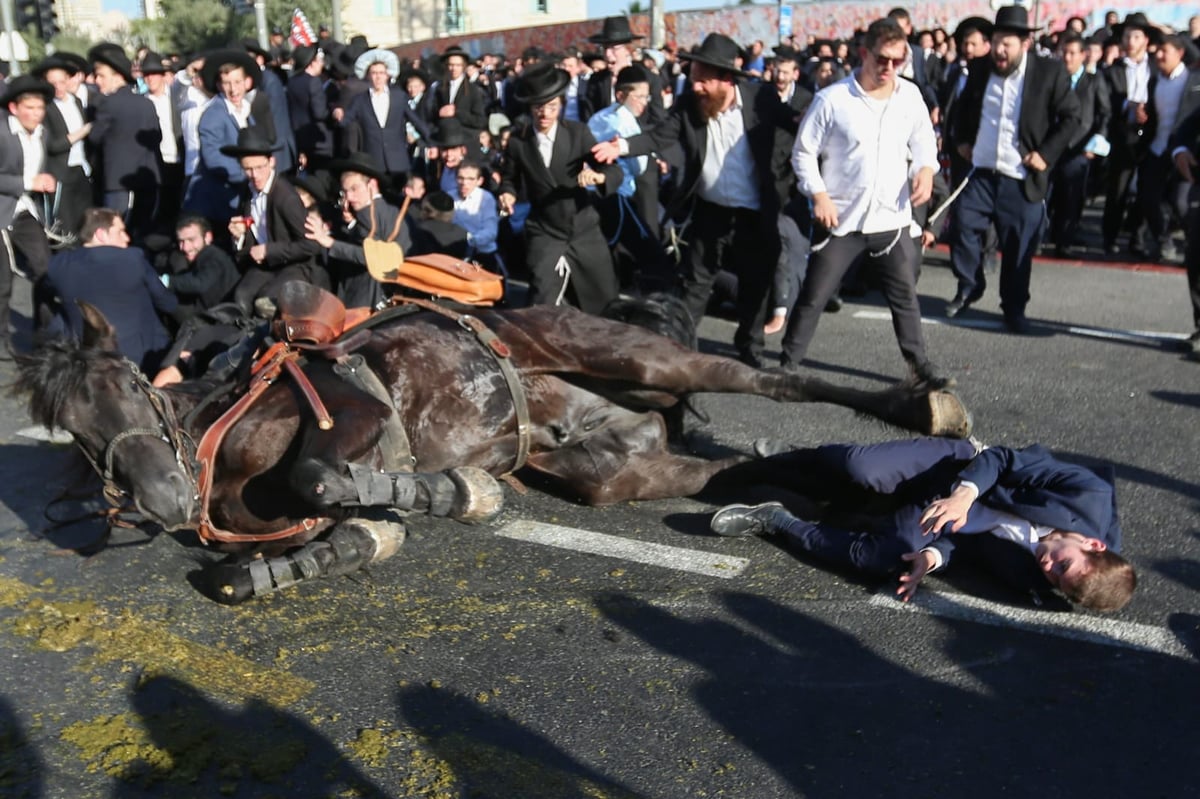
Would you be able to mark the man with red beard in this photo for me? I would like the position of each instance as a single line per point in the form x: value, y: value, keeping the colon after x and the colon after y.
x: 734, y: 184
x: 1013, y: 123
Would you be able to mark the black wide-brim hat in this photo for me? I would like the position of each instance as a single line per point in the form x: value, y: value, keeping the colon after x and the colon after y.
x: 718, y: 51
x: 213, y: 62
x: 541, y: 84
x: 303, y: 56
x: 153, y: 64
x: 450, y: 133
x: 26, y: 84
x: 358, y: 162
x: 981, y: 24
x: 313, y: 183
x: 1014, y: 19
x: 113, y: 56
x: 614, y: 31
x: 413, y: 72
x: 54, y: 62
x: 453, y: 50
x: 250, y: 141
x: 1141, y: 22
x: 251, y: 45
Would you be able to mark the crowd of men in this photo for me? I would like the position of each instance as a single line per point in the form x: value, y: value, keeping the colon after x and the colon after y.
x: 771, y: 180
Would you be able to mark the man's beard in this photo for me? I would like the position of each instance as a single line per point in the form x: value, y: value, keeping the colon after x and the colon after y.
x: 1008, y: 70
x: 711, y: 105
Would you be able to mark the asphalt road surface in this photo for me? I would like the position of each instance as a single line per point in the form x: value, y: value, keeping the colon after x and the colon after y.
x: 565, y: 651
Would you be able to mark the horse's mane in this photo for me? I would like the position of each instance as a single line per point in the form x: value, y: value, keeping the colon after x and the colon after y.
x: 54, y: 373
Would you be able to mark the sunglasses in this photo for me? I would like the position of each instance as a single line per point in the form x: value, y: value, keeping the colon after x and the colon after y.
x: 888, y: 63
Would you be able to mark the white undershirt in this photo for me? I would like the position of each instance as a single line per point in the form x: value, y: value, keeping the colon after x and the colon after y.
x: 381, y: 102
x: 727, y: 176
x: 997, y: 145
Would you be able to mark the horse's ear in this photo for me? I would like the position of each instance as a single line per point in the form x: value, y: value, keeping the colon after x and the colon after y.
x: 98, y: 333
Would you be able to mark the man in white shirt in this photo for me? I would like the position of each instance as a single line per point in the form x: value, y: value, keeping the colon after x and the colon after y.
x: 66, y: 128
x: 857, y: 146
x: 158, y: 85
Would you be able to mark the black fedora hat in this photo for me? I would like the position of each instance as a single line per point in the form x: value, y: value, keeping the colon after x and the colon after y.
x: 213, y: 62
x: 969, y: 26
x: 717, y: 50
x: 153, y: 64
x: 26, y: 84
x: 413, y: 72
x: 358, y: 162
x: 450, y: 133
x: 1138, y: 21
x: 455, y: 50
x: 250, y: 141
x: 541, y: 84
x: 1014, y: 19
x: 303, y: 56
x: 80, y: 63
x: 54, y: 62
x: 112, y: 56
x: 313, y: 183
x: 614, y: 31
x: 250, y: 45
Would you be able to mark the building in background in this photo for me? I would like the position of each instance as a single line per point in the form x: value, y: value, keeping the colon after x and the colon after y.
x: 80, y: 15
x: 390, y: 22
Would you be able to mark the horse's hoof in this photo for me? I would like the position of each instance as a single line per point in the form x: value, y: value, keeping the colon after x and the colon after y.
x: 479, y: 497
x: 948, y: 416
x: 386, y: 534
x: 228, y: 583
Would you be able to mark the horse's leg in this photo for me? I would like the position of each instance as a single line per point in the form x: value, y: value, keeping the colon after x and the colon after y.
x: 464, y: 493
x: 352, y: 545
x: 627, y: 459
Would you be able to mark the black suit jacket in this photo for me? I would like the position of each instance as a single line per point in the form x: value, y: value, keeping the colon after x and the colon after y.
x: 470, y: 105
x: 559, y: 206
x: 1187, y: 125
x: 766, y: 121
x: 58, y: 148
x: 387, y: 145
x: 1129, y: 139
x: 1048, y: 121
x: 127, y: 133
x: 1094, y: 111
x: 287, y: 244
x: 599, y: 95
x: 309, y: 111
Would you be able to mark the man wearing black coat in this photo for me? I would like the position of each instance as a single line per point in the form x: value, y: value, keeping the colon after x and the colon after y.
x: 269, y: 236
x: 66, y: 158
x: 309, y: 109
x: 210, y: 276
x: 1030, y: 96
x: 128, y: 136
x: 733, y: 187
x: 456, y: 96
x: 551, y: 161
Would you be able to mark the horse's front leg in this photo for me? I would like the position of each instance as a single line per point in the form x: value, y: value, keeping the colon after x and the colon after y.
x: 465, y: 493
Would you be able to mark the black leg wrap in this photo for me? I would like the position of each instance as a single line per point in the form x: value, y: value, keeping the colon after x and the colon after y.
x: 466, y: 494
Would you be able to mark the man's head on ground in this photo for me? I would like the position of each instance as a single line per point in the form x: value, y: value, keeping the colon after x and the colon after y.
x: 194, y: 234
x: 103, y: 227
x: 359, y: 189
x: 883, y: 51
x: 469, y: 177
x: 1085, y: 570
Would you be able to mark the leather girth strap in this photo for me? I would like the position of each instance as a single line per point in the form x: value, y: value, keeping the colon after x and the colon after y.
x: 499, y: 350
x: 266, y: 370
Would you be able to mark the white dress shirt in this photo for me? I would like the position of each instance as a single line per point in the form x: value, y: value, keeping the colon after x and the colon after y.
x: 258, y: 210
x: 545, y: 143
x: 73, y: 118
x: 1168, y: 95
x: 727, y: 176
x: 381, y: 102
x: 477, y: 214
x: 189, y: 120
x: 997, y: 146
x: 455, y: 85
x: 858, y: 149
x: 241, y: 115
x: 1137, y: 81
x: 33, y: 153
x: 169, y: 147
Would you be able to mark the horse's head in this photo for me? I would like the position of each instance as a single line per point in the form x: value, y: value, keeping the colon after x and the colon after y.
x: 124, y: 426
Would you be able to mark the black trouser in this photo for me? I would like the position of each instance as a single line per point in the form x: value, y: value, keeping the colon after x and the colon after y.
x: 257, y: 282
x: 1191, y: 258
x: 27, y: 238
x: 1121, y: 168
x: 589, y: 281
x: 744, y: 242
x: 74, y: 197
x: 1154, y: 179
x: 895, y: 256
x: 1067, y: 194
x: 170, y: 197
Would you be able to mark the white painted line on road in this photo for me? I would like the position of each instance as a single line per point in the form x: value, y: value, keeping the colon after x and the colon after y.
x: 1092, y: 629
x: 612, y: 546
x: 989, y: 324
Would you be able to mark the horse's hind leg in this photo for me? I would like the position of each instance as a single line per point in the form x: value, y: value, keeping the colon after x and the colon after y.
x: 465, y: 493
x: 352, y: 545
x: 627, y: 459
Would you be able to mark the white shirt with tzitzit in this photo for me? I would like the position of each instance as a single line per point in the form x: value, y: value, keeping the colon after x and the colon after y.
x: 997, y: 145
x: 727, y: 176
x: 858, y: 149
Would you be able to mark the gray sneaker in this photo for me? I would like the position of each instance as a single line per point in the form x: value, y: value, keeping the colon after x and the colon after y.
x: 742, y: 520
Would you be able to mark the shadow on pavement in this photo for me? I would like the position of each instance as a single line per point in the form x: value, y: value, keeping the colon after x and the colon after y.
x: 20, y: 764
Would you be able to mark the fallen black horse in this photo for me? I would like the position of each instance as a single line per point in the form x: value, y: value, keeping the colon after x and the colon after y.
x: 572, y: 396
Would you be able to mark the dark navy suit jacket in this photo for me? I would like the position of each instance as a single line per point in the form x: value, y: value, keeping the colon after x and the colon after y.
x: 126, y: 289
x: 387, y: 145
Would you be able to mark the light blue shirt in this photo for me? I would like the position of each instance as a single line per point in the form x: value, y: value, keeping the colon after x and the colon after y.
x: 617, y: 120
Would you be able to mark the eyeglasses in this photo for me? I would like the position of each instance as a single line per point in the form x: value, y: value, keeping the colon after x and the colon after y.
x: 642, y: 97
x: 888, y: 63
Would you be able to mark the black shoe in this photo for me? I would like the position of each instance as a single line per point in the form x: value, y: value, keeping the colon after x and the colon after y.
x: 1017, y: 324
x: 960, y: 303
x: 928, y: 373
x: 751, y: 359
x: 1112, y: 248
x: 834, y: 305
x: 740, y: 520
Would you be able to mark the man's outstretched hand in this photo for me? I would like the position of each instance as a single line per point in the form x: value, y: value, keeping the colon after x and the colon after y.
x: 952, y: 511
x: 922, y: 562
x: 607, y: 151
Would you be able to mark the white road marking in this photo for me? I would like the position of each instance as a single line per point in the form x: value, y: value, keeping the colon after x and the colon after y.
x: 612, y: 546
x: 1092, y: 629
x: 1111, y: 334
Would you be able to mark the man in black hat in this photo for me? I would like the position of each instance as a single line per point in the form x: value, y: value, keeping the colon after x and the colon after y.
x: 309, y: 109
x: 1131, y: 82
x: 456, y: 96
x: 271, y: 95
x: 128, y: 136
x: 616, y: 37
x: 23, y: 182
x: 170, y: 196
x: 448, y: 146
x: 365, y: 214
x: 735, y: 182
x: 217, y: 185
x: 66, y: 129
x: 1014, y: 122
x: 268, y: 235
x: 550, y: 163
